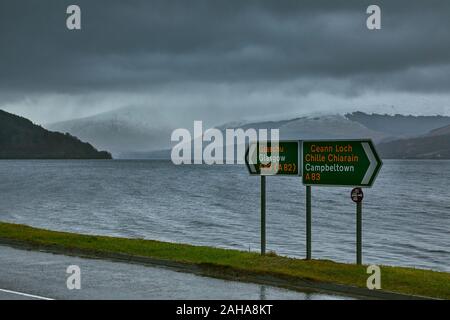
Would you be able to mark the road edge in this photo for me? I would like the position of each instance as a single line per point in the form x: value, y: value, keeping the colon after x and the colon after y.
x: 224, y: 273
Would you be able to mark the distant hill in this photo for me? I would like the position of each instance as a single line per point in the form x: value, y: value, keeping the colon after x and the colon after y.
x: 21, y: 139
x: 433, y: 145
x: 134, y: 131
x: 318, y: 127
x: 429, y: 147
x: 406, y: 126
x: 127, y: 129
x: 303, y: 128
x: 141, y: 132
x: 440, y: 131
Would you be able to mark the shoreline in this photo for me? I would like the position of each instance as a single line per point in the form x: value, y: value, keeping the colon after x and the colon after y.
x: 294, y: 274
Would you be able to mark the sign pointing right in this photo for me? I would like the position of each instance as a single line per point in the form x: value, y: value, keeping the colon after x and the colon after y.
x: 340, y: 163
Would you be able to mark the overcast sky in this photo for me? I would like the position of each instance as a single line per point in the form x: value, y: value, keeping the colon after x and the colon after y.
x: 224, y: 60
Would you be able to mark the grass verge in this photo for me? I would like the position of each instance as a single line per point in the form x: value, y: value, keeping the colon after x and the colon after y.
x: 408, y: 281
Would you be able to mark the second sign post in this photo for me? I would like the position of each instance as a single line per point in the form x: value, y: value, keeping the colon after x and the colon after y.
x: 339, y: 163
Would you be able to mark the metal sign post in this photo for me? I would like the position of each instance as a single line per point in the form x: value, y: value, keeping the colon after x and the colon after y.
x: 287, y: 164
x: 339, y: 163
x: 263, y: 215
x: 308, y: 223
x: 359, y: 233
x: 357, y: 196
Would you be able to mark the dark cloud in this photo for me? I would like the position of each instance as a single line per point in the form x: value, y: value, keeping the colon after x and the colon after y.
x: 222, y: 55
x: 146, y: 44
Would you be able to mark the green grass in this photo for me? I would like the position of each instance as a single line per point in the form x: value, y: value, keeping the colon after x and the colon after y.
x: 396, y: 279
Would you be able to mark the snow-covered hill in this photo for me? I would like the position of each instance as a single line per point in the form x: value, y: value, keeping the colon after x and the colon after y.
x: 140, y: 131
x: 317, y: 127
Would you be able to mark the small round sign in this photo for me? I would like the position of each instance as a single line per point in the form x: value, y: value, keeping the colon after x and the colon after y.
x: 357, y: 195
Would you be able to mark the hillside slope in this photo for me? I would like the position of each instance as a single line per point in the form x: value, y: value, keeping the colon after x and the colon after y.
x: 404, y: 126
x: 427, y: 147
x: 21, y: 139
x: 125, y: 129
x: 440, y: 131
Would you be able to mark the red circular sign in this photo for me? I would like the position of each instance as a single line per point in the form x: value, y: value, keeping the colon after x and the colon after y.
x: 357, y: 195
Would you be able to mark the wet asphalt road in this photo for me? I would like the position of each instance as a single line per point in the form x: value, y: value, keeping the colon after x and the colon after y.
x: 44, y: 275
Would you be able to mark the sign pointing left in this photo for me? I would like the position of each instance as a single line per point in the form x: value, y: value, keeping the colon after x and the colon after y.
x: 251, y: 158
x: 281, y: 159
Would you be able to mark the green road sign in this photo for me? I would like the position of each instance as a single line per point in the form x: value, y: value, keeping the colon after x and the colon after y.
x: 261, y: 158
x: 340, y: 163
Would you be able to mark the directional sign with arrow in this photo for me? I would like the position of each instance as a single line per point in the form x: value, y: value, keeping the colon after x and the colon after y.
x: 340, y: 163
x: 261, y: 155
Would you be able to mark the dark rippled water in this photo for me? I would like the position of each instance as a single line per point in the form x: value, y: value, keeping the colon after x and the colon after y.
x: 406, y: 217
